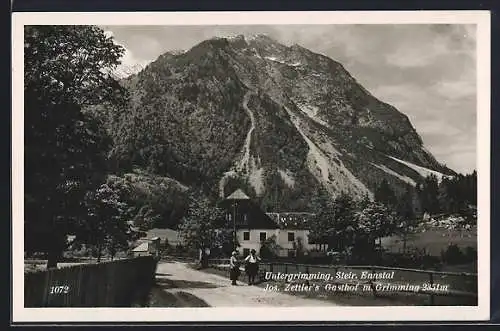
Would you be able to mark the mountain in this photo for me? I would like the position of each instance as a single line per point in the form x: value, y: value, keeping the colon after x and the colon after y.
x: 124, y: 71
x: 282, y: 122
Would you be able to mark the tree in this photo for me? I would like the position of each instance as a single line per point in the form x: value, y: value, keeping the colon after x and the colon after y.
x: 65, y: 63
x: 371, y: 223
x: 155, y: 201
x: 66, y: 69
x: 144, y: 218
x: 445, y: 199
x: 457, y: 194
x: 375, y: 221
x: 319, y: 200
x: 364, y: 201
x: 429, y: 195
x: 334, y: 223
x: 64, y: 159
x: 105, y: 226
x: 204, y: 226
x: 269, y: 248
x: 385, y: 194
x: 405, y: 218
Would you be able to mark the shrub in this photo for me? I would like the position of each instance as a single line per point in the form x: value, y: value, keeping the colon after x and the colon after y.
x: 269, y: 248
x: 470, y: 254
x: 453, y: 255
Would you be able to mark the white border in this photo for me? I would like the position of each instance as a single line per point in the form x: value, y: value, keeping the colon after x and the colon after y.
x: 482, y: 312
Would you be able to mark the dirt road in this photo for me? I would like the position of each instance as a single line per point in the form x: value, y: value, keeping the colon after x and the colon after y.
x: 217, y: 291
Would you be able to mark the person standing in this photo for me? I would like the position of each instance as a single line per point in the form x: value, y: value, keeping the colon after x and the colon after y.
x: 252, y: 266
x: 234, y: 268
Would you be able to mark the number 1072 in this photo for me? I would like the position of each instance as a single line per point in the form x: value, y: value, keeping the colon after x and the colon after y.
x: 59, y: 289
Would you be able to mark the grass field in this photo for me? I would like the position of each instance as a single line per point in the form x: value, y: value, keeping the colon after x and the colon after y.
x: 433, y: 240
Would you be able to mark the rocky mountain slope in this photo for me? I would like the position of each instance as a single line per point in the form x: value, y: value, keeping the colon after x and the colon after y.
x: 280, y: 121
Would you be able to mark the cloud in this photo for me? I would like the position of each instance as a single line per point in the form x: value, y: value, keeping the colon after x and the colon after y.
x: 461, y: 155
x: 456, y: 89
x: 128, y: 59
x: 428, y: 45
x: 442, y: 114
x: 438, y: 127
x: 415, y: 56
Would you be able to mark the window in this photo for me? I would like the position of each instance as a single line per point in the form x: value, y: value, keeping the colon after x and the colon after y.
x: 246, y: 251
x: 246, y: 235
x: 291, y: 236
x: 263, y: 236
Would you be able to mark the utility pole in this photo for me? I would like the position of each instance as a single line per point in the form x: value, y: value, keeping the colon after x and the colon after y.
x: 234, y: 225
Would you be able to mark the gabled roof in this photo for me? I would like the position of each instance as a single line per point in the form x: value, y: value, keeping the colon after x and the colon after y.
x: 171, y: 235
x: 293, y: 220
x: 248, y: 213
x: 238, y: 195
x: 144, y: 247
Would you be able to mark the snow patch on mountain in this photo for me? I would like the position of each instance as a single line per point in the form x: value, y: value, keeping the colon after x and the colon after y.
x: 256, y: 36
x: 178, y: 51
x: 275, y: 59
x: 395, y: 174
x: 124, y: 71
x: 422, y: 171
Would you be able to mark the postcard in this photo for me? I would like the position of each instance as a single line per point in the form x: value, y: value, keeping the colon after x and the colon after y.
x: 251, y: 166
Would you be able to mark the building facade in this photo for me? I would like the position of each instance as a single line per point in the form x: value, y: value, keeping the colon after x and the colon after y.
x: 286, y: 239
x: 253, y: 226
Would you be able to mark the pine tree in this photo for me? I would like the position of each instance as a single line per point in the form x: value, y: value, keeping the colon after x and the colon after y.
x: 429, y: 195
x: 405, y: 217
x: 385, y: 194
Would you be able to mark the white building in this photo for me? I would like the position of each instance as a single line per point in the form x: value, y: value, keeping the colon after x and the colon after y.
x: 147, y: 246
x: 253, y: 227
x: 286, y: 239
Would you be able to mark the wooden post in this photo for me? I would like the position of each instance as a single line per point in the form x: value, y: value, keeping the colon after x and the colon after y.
x: 372, y: 285
x: 431, y: 281
x: 46, y: 294
x: 234, y: 227
x: 78, y: 290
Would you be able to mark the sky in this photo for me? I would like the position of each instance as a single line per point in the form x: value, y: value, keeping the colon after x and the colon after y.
x: 427, y: 72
